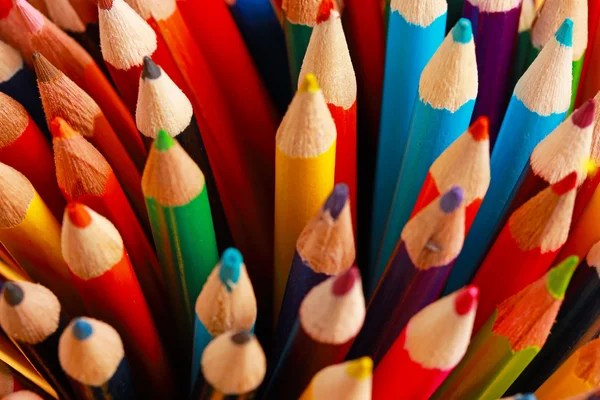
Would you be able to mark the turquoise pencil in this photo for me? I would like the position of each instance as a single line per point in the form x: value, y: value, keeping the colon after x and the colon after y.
x: 446, y: 97
x: 416, y: 28
x: 538, y: 105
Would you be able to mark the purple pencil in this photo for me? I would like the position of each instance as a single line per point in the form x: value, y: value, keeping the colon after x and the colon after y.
x: 470, y: 11
x: 325, y: 248
x: 415, y: 274
x: 495, y: 42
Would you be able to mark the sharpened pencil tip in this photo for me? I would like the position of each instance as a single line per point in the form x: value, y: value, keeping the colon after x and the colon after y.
x: 525, y: 396
x: 564, y: 34
x: 13, y: 294
x: 566, y: 184
x: 44, y: 70
x: 462, y: 32
x: 231, y: 265
x: 560, y: 276
x: 33, y: 19
x: 466, y: 300
x: 480, y: 130
x: 82, y: 329
x: 345, y: 282
x: 242, y: 337
x: 61, y: 129
x: 150, y: 70
x: 163, y: 141
x: 78, y: 215
x: 584, y: 115
x: 309, y: 84
x: 324, y: 11
x: 360, y: 369
x: 105, y: 4
x: 337, y: 200
x: 451, y: 199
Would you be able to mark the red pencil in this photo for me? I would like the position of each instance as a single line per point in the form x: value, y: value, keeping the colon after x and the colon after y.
x: 593, y: 18
x: 465, y: 163
x: 104, y: 277
x: 328, y: 58
x: 23, y: 147
x: 526, y: 247
x: 432, y: 344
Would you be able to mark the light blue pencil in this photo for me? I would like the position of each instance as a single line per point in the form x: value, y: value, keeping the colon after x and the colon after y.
x: 415, y: 31
x: 442, y: 111
x: 538, y: 105
x: 226, y: 302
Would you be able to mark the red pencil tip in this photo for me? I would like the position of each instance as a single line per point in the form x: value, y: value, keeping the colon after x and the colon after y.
x: 466, y: 300
x: 32, y: 18
x: 61, y: 129
x: 480, y: 130
x: 345, y: 282
x: 565, y: 184
x: 5, y: 7
x: 325, y: 10
x: 105, y: 4
x: 78, y: 215
x: 584, y: 116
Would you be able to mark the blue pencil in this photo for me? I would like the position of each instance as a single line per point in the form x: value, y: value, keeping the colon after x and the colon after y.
x: 226, y: 302
x: 538, y: 105
x: 413, y: 37
x: 447, y: 92
x: 91, y: 354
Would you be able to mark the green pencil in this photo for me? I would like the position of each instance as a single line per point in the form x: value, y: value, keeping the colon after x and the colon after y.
x: 521, y: 61
x: 182, y: 227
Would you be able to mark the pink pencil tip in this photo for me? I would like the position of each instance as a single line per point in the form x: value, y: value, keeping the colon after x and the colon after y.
x: 345, y: 282
x: 566, y: 184
x: 466, y: 300
x: 33, y: 19
x: 324, y: 10
x: 584, y: 116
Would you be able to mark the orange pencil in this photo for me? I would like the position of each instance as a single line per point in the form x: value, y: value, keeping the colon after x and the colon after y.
x: 62, y: 98
x: 104, y: 277
x: 23, y: 147
x: 526, y: 247
x: 26, y: 29
x: 85, y: 176
x: 328, y: 58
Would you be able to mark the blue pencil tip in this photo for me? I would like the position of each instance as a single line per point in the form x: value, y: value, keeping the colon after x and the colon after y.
x: 82, y: 329
x: 564, y: 34
x: 451, y: 199
x: 13, y: 294
x: 231, y: 263
x: 526, y: 396
x: 462, y: 32
x: 336, y: 200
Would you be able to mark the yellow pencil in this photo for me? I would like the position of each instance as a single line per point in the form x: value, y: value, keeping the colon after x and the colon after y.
x: 304, y: 172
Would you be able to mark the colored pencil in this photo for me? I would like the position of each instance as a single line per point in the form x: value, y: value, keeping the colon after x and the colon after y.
x: 453, y: 168
x: 62, y: 98
x: 304, y: 173
x: 526, y: 396
x: 30, y: 314
x: 593, y: 394
x: 576, y: 320
x: 415, y: 275
x: 414, y: 35
x: 470, y: 11
x: 10, y: 381
x: 28, y: 31
x: 528, y: 120
x: 328, y: 58
x: 23, y: 147
x: 109, y: 288
x: 550, y: 17
x: 495, y: 41
x: 233, y: 367
x: 526, y: 247
x: 590, y: 81
x: 84, y: 176
x: 9, y: 269
x: 565, y: 150
x: 182, y: 227
x: 579, y: 374
x: 31, y: 234
x: 351, y: 379
x: 510, y: 339
x: 523, y: 46
x: 162, y: 105
x: 17, y: 81
x: 299, y: 18
x: 91, y: 354
x: 324, y: 248
x: 22, y: 395
x: 432, y: 344
x: 226, y: 303
x: 584, y: 93
x: 330, y: 316
x: 438, y: 118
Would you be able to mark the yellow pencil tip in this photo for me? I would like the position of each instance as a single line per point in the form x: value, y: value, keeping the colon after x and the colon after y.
x: 591, y: 167
x: 361, y: 368
x: 309, y: 84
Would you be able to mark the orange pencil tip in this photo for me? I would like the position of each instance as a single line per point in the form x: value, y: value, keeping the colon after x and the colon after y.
x: 480, y: 130
x: 78, y: 215
x: 565, y: 184
x: 325, y: 10
x: 61, y: 129
x: 466, y: 300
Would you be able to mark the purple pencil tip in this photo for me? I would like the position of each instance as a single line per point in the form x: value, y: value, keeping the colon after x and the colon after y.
x: 337, y: 200
x: 452, y: 199
x: 584, y: 116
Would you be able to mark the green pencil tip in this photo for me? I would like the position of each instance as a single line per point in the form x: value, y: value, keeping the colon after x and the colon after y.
x: 560, y: 276
x: 163, y: 141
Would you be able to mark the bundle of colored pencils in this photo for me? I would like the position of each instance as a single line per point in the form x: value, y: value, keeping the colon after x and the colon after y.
x: 193, y: 195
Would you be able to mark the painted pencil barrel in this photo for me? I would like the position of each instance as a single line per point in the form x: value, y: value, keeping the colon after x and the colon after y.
x: 577, y: 67
x: 470, y: 11
x: 297, y: 37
